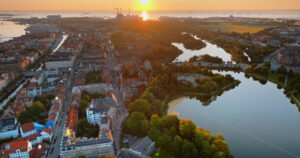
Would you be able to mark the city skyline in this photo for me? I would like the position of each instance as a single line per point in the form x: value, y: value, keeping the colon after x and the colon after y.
x: 151, y: 5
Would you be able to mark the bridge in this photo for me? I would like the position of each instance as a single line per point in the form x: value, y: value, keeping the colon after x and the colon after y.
x: 214, y: 65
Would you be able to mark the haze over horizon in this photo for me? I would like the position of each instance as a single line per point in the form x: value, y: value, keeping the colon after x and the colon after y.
x: 164, y: 5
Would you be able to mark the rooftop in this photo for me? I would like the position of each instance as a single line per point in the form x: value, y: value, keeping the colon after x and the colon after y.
x: 27, y: 127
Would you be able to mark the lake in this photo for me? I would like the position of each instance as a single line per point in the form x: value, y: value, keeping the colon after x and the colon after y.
x: 210, y: 49
x: 256, y: 120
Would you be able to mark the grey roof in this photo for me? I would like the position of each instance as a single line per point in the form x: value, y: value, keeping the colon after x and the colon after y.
x: 7, y: 122
x: 131, y: 154
x: 143, y: 145
x: 102, y: 102
x: 101, y: 105
x: 92, y: 142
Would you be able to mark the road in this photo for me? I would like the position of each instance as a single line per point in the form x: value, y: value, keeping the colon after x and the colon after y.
x: 113, y: 66
x: 58, y: 131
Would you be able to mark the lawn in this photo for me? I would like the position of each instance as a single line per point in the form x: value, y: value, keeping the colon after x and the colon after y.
x: 228, y: 27
x: 298, y: 97
x: 275, y: 78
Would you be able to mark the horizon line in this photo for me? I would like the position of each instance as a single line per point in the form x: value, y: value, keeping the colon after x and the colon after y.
x: 94, y: 10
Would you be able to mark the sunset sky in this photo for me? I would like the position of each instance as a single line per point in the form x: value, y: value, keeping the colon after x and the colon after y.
x: 152, y: 5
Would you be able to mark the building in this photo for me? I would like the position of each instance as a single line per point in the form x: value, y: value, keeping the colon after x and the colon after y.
x: 290, y: 55
x: 60, y: 60
x: 90, y: 148
x: 42, y: 28
x: 72, y: 147
x: 144, y: 146
x: 80, y: 78
x: 5, y: 79
x: 27, y: 129
x: 9, y: 127
x: 99, y: 108
x: 53, y: 17
x: 101, y: 88
x: 38, y: 78
x: 20, y: 149
x: 46, y: 134
x: 40, y: 151
x: 129, y: 153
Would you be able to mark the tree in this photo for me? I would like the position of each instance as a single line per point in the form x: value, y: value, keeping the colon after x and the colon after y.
x: 281, y: 78
x: 148, y: 96
x: 164, y: 141
x: 282, y: 70
x: 37, y: 107
x: 177, y: 145
x: 189, y: 149
x: 157, y: 107
x: 187, y: 129
x: 140, y: 105
x: 138, y: 124
x: 86, y: 97
x: 82, y: 108
x: 169, y: 121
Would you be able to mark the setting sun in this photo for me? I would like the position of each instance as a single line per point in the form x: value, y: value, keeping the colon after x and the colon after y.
x: 144, y: 2
x: 145, y: 15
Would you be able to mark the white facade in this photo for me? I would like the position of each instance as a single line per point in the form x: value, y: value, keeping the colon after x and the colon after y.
x: 33, y: 92
x: 89, y: 151
x: 45, y: 136
x: 59, y: 64
x: 9, y: 130
x: 10, y: 133
x: 20, y: 154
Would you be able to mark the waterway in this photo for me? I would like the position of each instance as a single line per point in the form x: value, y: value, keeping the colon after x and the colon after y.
x: 256, y: 120
x: 289, y: 14
x: 10, y: 30
x: 209, y: 49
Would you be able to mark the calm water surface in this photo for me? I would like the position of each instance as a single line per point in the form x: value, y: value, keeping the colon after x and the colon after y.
x: 290, y: 14
x: 210, y: 49
x: 9, y: 30
x: 256, y: 120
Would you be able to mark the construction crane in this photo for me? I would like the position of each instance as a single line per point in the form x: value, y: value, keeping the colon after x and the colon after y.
x: 118, y: 10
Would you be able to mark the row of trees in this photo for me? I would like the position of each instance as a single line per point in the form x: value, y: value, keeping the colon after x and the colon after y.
x: 279, y: 76
x: 261, y: 70
x: 182, y: 139
x: 214, y: 83
x: 206, y: 58
x: 189, y: 42
x: 11, y: 84
x: 178, y: 138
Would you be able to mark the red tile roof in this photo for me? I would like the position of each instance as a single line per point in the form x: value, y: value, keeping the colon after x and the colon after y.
x: 32, y: 85
x: 47, y: 130
x: 72, y: 118
x: 27, y: 127
x: 39, y: 150
x: 23, y: 146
